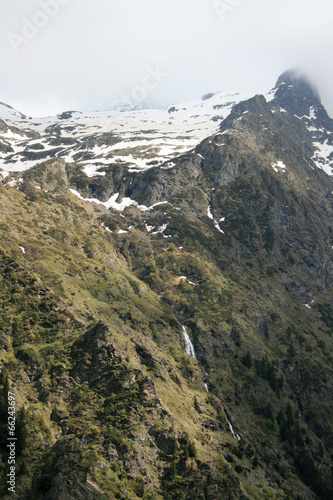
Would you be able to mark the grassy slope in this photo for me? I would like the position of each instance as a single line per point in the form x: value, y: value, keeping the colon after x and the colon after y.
x: 69, y: 278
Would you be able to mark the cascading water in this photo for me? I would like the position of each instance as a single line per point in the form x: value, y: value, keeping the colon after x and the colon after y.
x: 205, y: 384
x: 234, y: 434
x: 189, y: 349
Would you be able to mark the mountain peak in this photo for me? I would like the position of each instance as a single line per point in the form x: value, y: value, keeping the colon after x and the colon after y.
x: 302, y: 86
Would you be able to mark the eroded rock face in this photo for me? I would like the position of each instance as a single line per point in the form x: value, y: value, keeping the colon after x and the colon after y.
x: 97, y: 343
x: 65, y: 478
x: 49, y: 176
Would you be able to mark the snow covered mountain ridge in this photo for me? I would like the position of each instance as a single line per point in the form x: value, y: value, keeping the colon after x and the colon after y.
x: 143, y: 139
x: 140, y: 139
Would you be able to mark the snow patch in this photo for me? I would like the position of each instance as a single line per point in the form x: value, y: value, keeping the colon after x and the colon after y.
x: 312, y: 113
x: 321, y: 157
x: 161, y: 230
x: 15, y: 182
x: 106, y: 228
x: 270, y: 95
x: 112, y: 202
x: 311, y: 116
x: 279, y: 166
x: 12, y: 136
x: 91, y: 171
x: 217, y: 225
x: 152, y: 206
x: 149, y: 228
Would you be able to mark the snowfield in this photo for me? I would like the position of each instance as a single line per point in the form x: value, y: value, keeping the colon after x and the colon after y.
x: 137, y: 139
x: 142, y: 138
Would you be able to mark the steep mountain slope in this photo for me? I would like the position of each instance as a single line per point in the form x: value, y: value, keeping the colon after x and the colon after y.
x: 105, y: 272
x: 114, y: 396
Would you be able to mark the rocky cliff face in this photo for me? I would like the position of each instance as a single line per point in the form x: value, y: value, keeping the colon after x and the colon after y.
x: 103, y: 262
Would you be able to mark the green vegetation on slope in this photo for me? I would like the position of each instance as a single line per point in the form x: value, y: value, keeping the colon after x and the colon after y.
x: 92, y: 343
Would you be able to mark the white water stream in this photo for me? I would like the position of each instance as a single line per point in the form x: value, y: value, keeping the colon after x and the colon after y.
x: 189, y: 349
x: 205, y: 384
x: 234, y: 434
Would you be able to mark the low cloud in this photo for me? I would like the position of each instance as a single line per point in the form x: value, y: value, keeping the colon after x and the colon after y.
x: 88, y: 55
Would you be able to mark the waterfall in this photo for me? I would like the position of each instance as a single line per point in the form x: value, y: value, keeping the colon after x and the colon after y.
x: 205, y: 384
x: 234, y: 434
x: 189, y: 349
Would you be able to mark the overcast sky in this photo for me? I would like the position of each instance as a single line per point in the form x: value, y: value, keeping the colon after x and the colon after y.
x: 58, y: 55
